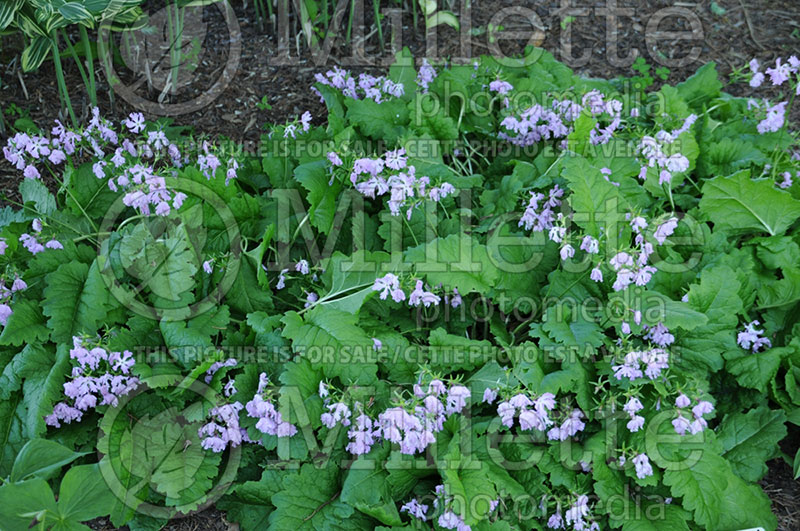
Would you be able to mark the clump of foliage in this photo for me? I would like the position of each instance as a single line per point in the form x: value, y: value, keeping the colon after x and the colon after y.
x: 495, y: 295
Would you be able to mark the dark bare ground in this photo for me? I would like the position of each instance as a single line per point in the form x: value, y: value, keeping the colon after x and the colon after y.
x: 764, y: 29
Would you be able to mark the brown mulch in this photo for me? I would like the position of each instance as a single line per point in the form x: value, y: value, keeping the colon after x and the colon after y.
x: 748, y: 28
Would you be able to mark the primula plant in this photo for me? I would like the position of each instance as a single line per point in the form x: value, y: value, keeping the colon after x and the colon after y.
x: 482, y: 296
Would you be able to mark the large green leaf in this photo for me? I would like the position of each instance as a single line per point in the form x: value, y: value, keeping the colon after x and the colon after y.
x: 385, y: 121
x: 750, y: 439
x: 742, y: 205
x: 366, y: 487
x: 332, y: 340
x: 310, y: 501
x: 76, y: 300
x: 40, y: 457
x: 26, y: 325
x: 456, y: 262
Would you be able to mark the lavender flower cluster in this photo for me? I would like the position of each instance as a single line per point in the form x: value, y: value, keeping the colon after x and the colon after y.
x: 224, y: 427
x: 412, y: 423
x: 391, y: 174
x: 774, y: 115
x: 118, y: 156
x: 389, y: 284
x: 578, y: 515
x: 32, y: 242
x: 653, y: 148
x: 750, y: 338
x: 100, y: 379
x: 7, y: 293
x: 375, y: 88
x: 534, y: 414
x: 261, y: 407
x: 698, y: 423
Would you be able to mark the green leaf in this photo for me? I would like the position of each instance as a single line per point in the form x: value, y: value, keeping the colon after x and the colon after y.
x: 385, y: 121
x: 366, y: 487
x: 40, y: 457
x: 351, y: 279
x: 703, y: 86
x: 702, y: 487
x: 7, y: 11
x: 26, y: 325
x: 728, y: 155
x: 756, y: 369
x: 35, y: 53
x: 332, y: 340
x: 44, y: 374
x: 745, y: 506
x: 76, y: 300
x: 717, y: 297
x: 742, y: 205
x: 19, y: 503
x: 750, y: 439
x: 75, y: 12
x: 465, y: 478
x: 450, y: 352
x: 322, y: 193
x: 658, y: 308
x: 310, y: 501
x: 596, y: 201
x: 84, y: 494
x: 571, y: 328
x: 34, y: 191
x: 170, y: 455
x: 457, y: 261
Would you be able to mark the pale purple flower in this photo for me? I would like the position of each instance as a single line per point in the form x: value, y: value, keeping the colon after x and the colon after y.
x: 681, y: 425
x: 590, y: 245
x: 774, y: 120
x: 437, y: 387
x: 489, y: 395
x: 134, y: 122
x: 302, y: 267
x: 421, y: 297
x: 501, y: 87
x: 457, y: 399
x: 665, y: 230
x: 415, y: 509
x: 387, y: 285
x: 396, y: 159
x: 18, y: 285
x: 334, y: 159
x: 779, y: 73
x: 5, y: 313
x: 281, y: 279
x: 643, y: 467
x: 376, y: 344
x: 311, y: 298
x: 455, y: 302
x: 596, y: 275
x: 702, y: 408
x: 305, y: 120
x: 449, y: 520
x: 555, y: 521
x: 567, y: 252
x: 636, y: 423
x: 750, y: 338
x: 682, y: 401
